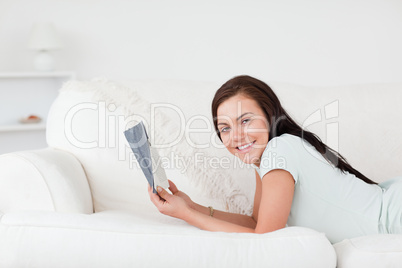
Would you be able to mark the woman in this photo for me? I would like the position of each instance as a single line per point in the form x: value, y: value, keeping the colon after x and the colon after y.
x: 299, y: 180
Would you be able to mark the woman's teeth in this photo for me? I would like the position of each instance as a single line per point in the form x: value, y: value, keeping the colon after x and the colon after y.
x: 245, y: 146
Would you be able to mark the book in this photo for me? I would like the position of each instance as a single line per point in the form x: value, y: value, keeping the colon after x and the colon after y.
x: 147, y: 156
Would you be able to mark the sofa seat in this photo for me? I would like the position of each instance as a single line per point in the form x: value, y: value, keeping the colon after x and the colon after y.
x: 145, y: 238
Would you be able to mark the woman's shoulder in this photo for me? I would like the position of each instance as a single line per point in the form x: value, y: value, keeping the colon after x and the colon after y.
x: 296, y: 147
x: 281, y: 153
x: 288, y: 144
x: 283, y: 145
x: 286, y: 140
x: 287, y: 136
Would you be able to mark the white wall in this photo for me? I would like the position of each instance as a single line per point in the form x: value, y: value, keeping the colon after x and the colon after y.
x: 311, y: 42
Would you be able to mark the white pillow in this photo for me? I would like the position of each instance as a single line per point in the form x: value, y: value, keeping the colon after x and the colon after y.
x: 88, y: 119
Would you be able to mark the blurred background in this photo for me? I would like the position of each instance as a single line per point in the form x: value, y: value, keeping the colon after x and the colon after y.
x: 309, y: 42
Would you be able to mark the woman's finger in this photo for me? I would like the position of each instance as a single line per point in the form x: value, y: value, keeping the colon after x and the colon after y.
x: 164, y: 194
x: 172, y: 187
x: 156, y: 199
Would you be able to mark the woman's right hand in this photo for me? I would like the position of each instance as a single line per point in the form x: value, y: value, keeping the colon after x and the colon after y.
x: 185, y: 197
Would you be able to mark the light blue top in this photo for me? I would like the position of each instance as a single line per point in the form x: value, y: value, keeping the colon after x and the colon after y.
x: 325, y: 199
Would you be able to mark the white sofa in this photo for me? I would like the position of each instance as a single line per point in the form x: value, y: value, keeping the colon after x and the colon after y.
x: 83, y: 202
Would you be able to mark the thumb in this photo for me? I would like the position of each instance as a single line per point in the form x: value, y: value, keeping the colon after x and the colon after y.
x: 163, y: 193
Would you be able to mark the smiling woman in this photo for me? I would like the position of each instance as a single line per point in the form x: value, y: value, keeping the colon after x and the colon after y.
x: 300, y: 181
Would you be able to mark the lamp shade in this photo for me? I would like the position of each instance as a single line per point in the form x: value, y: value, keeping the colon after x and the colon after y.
x: 44, y: 37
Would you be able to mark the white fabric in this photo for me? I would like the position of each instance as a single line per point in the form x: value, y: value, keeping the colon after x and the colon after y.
x: 148, y: 239
x: 370, y: 252
x: 46, y: 179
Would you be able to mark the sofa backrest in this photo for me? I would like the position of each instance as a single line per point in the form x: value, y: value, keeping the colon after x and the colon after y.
x: 88, y: 119
x: 362, y: 122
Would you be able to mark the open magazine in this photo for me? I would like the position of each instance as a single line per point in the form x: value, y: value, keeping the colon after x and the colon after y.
x: 148, y: 157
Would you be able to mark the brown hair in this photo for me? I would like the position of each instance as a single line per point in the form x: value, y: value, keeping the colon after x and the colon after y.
x: 279, y: 120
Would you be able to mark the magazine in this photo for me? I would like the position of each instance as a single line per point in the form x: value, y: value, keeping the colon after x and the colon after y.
x: 148, y: 157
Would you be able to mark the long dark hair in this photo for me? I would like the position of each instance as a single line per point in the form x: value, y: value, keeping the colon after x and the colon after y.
x: 279, y: 120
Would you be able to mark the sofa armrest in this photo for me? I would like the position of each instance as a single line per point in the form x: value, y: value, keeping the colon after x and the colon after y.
x: 46, y: 179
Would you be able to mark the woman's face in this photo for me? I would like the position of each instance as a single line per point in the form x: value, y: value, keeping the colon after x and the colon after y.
x: 243, y: 128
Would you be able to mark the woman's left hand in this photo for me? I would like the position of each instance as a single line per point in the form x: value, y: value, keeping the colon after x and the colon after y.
x: 170, y: 205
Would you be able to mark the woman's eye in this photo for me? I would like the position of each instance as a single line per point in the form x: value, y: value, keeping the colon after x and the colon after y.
x: 224, y: 129
x: 245, y: 121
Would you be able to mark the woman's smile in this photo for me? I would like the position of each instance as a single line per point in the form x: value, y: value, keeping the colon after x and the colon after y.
x: 245, y: 148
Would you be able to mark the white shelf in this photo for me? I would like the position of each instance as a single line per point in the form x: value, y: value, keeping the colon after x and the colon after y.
x: 55, y: 74
x: 22, y: 127
x: 23, y: 94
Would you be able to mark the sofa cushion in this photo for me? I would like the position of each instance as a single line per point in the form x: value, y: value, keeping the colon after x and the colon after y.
x: 147, y: 238
x: 370, y: 251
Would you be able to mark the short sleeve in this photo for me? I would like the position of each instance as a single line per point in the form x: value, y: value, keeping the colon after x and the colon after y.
x: 279, y: 154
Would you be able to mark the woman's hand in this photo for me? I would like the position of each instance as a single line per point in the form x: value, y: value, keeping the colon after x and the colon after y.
x: 176, y: 192
x: 177, y: 204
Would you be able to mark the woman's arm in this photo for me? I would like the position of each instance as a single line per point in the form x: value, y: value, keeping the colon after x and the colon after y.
x: 276, y: 200
x: 177, y: 207
x: 239, y: 219
x: 274, y: 208
x: 235, y: 218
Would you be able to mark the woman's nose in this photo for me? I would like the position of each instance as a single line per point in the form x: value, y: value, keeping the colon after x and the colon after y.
x: 238, y: 134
